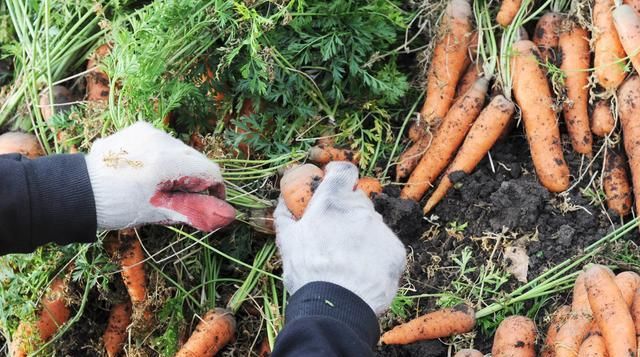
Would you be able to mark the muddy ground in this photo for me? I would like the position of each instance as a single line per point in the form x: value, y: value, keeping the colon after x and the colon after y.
x: 507, y: 203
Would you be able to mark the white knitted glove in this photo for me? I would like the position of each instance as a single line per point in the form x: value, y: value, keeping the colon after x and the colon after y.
x: 341, y: 239
x: 142, y: 175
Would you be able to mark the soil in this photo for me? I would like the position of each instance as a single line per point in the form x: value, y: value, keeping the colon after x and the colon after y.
x: 508, y: 202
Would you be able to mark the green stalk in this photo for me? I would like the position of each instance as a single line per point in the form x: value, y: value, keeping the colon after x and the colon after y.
x: 257, y: 269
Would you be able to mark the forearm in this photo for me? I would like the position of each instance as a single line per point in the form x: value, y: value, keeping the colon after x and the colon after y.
x: 44, y: 200
x: 324, y: 319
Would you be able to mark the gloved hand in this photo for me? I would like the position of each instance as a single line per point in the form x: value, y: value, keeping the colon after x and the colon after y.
x: 142, y: 175
x: 340, y: 239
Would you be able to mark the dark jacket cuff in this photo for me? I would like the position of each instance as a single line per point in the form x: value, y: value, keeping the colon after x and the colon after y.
x: 62, y: 204
x: 331, y: 300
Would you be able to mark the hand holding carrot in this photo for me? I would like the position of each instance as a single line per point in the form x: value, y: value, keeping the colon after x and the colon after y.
x: 141, y: 175
x: 340, y: 239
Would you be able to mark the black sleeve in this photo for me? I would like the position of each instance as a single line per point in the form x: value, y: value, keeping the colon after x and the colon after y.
x: 45, y: 200
x: 325, y: 319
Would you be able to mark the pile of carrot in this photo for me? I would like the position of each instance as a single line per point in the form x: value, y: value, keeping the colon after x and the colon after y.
x: 456, y: 128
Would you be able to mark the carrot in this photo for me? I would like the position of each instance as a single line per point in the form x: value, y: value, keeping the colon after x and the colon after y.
x: 608, y: 51
x: 508, y: 11
x: 576, y: 59
x: 469, y: 352
x: 635, y: 315
x: 616, y: 183
x: 369, y: 185
x: 126, y: 248
x: 410, y: 158
x: 602, y: 121
x: 297, y: 186
x: 470, y: 76
x: 53, y: 314
x: 98, y: 81
x: 214, y: 331
x: 437, y: 324
x: 574, y: 330
x: 533, y: 95
x: 446, y: 140
x: 610, y: 312
x: 547, y: 35
x: 515, y: 336
x: 21, y: 143
x: 482, y: 136
x: 559, y: 317
x: 61, y: 99
x: 593, y: 346
x: 450, y: 58
x: 116, y: 333
x: 629, y: 113
x: 265, y: 349
x: 628, y: 283
x: 627, y: 23
x: 324, y: 154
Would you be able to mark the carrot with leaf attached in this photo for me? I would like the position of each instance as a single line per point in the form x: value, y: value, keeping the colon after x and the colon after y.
x: 515, y: 336
x: 608, y: 51
x: 576, y: 58
x: 532, y: 93
x: 216, y: 329
x: 508, y: 11
x: 433, y: 325
x: 629, y: 113
x: 602, y: 121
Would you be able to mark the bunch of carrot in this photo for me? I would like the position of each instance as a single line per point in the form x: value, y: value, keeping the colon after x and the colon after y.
x: 456, y: 129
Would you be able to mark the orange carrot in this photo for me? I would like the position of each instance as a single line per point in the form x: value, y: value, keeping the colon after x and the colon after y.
x: 61, y: 99
x: 446, y: 141
x: 410, y: 158
x: 53, y: 314
x: 608, y: 51
x: 437, y: 324
x: 297, y: 186
x: 324, y: 154
x: 627, y: 23
x: 508, y: 11
x: 450, y: 58
x: 547, y: 34
x: 116, y: 333
x: 369, y: 185
x: 575, y: 329
x: 635, y: 314
x: 214, y: 331
x: 593, y: 346
x: 628, y: 283
x: 515, y: 336
x: 21, y: 143
x: 559, y: 317
x: 610, y: 312
x: 576, y: 58
x: 629, y: 113
x: 98, y: 81
x: 533, y: 95
x: 616, y: 183
x: 126, y: 248
x: 470, y: 76
x: 469, y: 353
x: 482, y: 136
x: 602, y: 121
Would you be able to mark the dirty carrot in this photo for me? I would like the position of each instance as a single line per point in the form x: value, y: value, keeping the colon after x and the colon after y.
x: 410, y: 158
x: 576, y: 327
x: 628, y: 283
x: 468, y: 352
x: 627, y: 23
x: 482, y: 136
x: 116, y: 332
x: 213, y: 332
x: 515, y: 336
x: 297, y: 186
x: 433, y: 325
x: 608, y: 51
x: 508, y: 11
x: 369, y: 185
x: 629, y: 113
x: 602, y: 121
x: 470, y: 76
x: 635, y: 315
x: 576, y: 58
x: 324, y: 154
x: 62, y: 98
x: 547, y: 34
x: 531, y: 91
x: 21, y: 143
x: 446, y: 141
x: 610, y: 312
x: 616, y: 183
x: 97, y: 80
x: 559, y: 317
x: 126, y: 248
x: 450, y: 58
x: 593, y: 346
